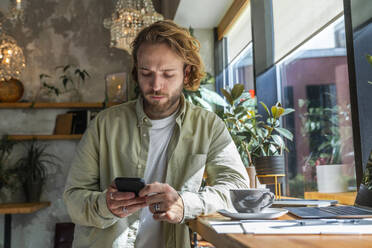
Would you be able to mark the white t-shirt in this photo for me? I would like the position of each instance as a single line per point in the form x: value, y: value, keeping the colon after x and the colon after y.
x: 150, y: 233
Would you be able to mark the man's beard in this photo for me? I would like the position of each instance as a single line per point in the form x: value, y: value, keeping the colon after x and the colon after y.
x: 158, y: 107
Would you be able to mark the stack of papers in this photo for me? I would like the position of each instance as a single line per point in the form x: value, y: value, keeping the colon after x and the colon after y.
x: 316, y: 226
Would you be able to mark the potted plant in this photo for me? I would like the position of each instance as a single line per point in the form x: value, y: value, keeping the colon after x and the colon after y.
x: 260, y: 143
x: 328, y: 138
x: 6, y: 172
x: 32, y: 169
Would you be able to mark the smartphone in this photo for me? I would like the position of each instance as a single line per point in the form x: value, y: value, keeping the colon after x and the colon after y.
x: 130, y: 184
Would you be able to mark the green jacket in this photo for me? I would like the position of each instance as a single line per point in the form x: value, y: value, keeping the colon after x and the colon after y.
x: 116, y: 144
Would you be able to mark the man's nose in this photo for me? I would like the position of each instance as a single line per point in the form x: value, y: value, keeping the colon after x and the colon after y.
x: 157, y: 83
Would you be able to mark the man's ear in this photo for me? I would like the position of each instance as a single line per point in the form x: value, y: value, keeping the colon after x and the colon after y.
x: 186, y: 74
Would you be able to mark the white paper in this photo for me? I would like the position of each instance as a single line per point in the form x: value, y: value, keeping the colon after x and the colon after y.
x: 292, y: 227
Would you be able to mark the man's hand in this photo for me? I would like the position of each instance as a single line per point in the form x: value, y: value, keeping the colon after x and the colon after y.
x: 123, y: 204
x: 164, y: 202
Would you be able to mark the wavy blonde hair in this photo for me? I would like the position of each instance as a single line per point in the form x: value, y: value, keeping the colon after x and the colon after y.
x: 180, y: 41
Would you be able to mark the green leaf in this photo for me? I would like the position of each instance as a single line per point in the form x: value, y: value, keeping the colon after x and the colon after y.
x: 203, y: 103
x: 274, y: 111
x: 237, y: 91
x: 286, y: 133
x: 239, y: 110
x: 212, y: 97
x: 265, y: 107
x: 301, y: 102
x: 278, y: 140
x: 228, y: 96
x: 66, y: 68
x: 280, y: 111
x: 288, y: 111
x: 369, y: 58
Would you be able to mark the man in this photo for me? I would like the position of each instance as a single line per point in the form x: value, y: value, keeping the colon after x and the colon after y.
x: 160, y: 137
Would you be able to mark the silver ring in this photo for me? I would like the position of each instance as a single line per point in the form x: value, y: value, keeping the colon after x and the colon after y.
x: 157, y: 207
x: 125, y: 210
x: 112, y: 198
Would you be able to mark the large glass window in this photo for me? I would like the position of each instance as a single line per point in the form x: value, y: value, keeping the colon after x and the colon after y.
x: 240, y: 70
x: 314, y: 81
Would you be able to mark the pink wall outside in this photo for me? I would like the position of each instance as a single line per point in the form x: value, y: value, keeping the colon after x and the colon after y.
x: 316, y: 71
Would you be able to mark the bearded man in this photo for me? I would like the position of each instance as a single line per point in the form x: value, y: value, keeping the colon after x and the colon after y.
x: 160, y: 137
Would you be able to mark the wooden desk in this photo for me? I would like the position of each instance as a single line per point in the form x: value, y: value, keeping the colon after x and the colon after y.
x: 346, y: 198
x: 202, y: 227
x: 17, y: 208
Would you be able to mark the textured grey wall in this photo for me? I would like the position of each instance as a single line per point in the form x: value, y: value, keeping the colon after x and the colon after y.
x: 68, y: 32
x: 57, y: 33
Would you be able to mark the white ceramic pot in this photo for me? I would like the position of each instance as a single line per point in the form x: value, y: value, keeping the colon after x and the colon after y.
x: 330, y: 178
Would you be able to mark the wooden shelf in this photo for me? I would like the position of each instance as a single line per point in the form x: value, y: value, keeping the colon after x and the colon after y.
x: 22, y: 208
x: 346, y: 198
x: 53, y: 105
x: 46, y: 137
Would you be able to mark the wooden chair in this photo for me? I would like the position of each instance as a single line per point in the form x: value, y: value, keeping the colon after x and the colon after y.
x: 64, y: 235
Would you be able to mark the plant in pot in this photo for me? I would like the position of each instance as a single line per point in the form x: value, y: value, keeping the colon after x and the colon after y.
x: 329, y: 135
x: 32, y: 169
x: 267, y: 142
x: 260, y: 143
x: 7, y: 173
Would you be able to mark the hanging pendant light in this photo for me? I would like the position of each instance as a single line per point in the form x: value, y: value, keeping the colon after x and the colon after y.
x: 129, y: 17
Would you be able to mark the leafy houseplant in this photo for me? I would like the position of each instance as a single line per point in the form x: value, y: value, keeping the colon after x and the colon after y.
x: 256, y: 137
x: 203, y: 96
x: 71, y: 77
x: 328, y: 131
x: 7, y: 174
x: 32, y: 169
x: 260, y: 142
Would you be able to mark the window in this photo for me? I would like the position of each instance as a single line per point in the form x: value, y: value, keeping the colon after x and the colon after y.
x: 240, y: 70
x: 314, y: 81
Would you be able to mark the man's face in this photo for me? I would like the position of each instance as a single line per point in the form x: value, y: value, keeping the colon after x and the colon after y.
x: 160, y: 78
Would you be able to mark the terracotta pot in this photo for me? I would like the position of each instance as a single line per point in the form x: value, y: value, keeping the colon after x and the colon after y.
x: 11, y: 90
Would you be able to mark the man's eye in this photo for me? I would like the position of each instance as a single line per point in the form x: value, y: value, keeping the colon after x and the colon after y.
x: 168, y: 75
x: 146, y: 74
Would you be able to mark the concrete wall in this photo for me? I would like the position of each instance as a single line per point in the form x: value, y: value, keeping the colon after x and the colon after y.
x: 68, y: 32
x: 205, y: 37
x: 59, y: 33
x: 56, y: 33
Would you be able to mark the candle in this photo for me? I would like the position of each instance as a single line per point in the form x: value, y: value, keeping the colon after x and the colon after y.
x: 19, y: 4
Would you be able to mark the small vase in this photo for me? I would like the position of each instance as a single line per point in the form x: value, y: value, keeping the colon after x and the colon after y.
x: 330, y: 178
x: 251, y: 170
x: 11, y: 90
